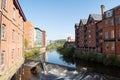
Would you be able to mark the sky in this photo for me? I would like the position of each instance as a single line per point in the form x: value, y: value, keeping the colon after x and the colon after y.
x: 58, y: 17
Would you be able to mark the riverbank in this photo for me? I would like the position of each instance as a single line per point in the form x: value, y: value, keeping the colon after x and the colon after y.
x: 91, y: 57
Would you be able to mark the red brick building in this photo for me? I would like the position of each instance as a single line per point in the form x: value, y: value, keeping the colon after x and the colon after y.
x: 12, y: 21
x: 99, y: 34
x: 91, y: 31
x: 44, y: 37
x: 111, y: 31
x: 77, y: 35
x: 29, y: 34
x: 82, y: 34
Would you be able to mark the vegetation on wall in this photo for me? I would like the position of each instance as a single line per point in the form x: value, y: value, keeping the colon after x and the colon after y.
x: 25, y: 43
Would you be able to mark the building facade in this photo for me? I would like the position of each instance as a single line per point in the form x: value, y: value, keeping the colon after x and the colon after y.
x: 11, y: 43
x: 77, y: 35
x: 83, y: 34
x: 102, y: 31
x: 91, y: 31
x: 99, y: 34
x: 111, y: 31
x: 28, y: 35
x: 44, y: 38
x: 38, y: 38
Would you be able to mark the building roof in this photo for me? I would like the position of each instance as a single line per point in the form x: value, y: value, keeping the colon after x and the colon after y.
x: 38, y: 29
x: 113, y: 8
x: 96, y: 17
x: 76, y: 24
x: 84, y: 21
x: 17, y: 5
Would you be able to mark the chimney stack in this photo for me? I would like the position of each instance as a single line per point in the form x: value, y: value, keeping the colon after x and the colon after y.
x: 102, y: 10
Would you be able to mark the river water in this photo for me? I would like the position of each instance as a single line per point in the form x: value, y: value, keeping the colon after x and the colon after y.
x: 62, y: 68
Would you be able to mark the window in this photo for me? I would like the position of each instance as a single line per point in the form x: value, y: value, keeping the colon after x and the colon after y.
x: 109, y: 13
x: 4, y: 4
x: 2, y: 58
x: 3, y: 32
x: 13, y: 14
x: 113, y: 46
x: 119, y: 20
x: 12, y: 34
x: 119, y: 33
x: 89, y: 36
x: 106, y: 23
x: 112, y: 34
x: 12, y: 56
x: 112, y: 21
x: 18, y: 37
x: 106, y: 35
x: 106, y: 46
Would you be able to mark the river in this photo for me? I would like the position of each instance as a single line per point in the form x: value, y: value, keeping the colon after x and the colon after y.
x: 80, y: 70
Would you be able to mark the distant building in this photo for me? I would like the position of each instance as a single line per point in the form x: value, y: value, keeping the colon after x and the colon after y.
x: 70, y: 42
x: 38, y: 38
x: 77, y: 37
x: 12, y: 21
x: 82, y: 34
x: 91, y: 31
x: 28, y: 35
x: 44, y: 38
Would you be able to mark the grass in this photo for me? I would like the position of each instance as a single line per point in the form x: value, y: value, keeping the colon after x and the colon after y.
x: 99, y: 58
x: 93, y: 57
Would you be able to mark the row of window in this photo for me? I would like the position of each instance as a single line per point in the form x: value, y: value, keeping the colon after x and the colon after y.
x: 112, y: 22
x: 4, y: 4
x: 2, y: 56
x: 111, y: 34
x: 3, y: 33
x: 112, y: 47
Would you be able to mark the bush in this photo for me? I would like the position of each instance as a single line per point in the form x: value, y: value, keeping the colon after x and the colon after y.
x: 31, y: 53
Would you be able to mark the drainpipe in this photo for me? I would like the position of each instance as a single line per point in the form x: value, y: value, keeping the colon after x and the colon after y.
x: 115, y: 30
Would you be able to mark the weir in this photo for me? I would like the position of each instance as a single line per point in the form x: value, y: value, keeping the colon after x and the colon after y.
x: 59, y: 72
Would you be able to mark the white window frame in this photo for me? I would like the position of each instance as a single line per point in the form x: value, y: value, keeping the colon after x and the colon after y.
x: 112, y: 21
x: 3, y: 30
x: 2, y: 58
x: 112, y: 34
x: 13, y: 14
x: 13, y: 34
x: 112, y: 46
x: 106, y: 46
x: 106, y: 35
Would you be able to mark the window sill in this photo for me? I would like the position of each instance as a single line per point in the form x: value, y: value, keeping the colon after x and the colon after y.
x: 3, y: 39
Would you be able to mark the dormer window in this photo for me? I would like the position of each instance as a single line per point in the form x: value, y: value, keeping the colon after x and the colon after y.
x: 109, y: 14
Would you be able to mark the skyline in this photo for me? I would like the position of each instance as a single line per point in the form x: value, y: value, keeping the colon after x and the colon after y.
x: 59, y: 17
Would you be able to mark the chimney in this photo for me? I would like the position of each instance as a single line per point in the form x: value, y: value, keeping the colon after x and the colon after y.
x: 102, y: 10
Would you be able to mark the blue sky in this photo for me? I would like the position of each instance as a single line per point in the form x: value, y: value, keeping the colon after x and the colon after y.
x: 58, y: 17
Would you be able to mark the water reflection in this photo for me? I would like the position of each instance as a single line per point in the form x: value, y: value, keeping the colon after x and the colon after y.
x: 54, y: 57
